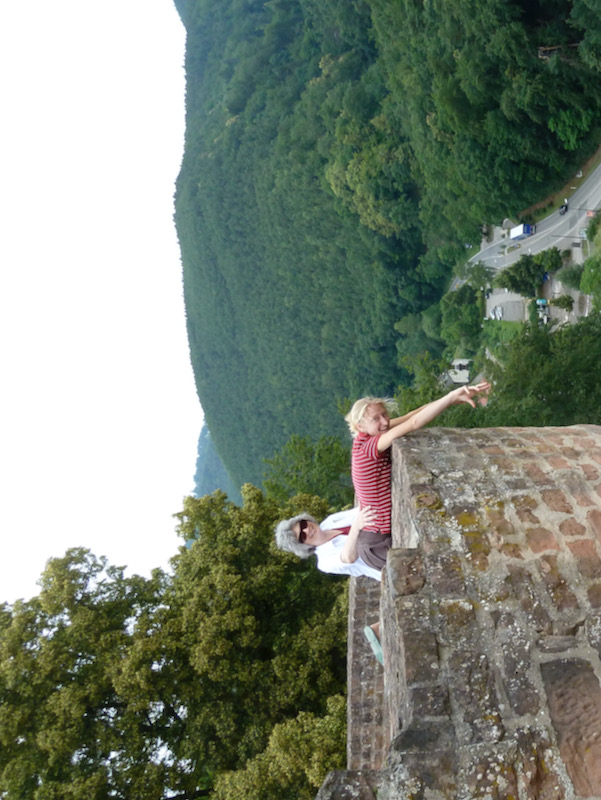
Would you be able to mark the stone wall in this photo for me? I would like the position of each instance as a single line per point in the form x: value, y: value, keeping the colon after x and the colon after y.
x: 368, y: 740
x: 491, y: 619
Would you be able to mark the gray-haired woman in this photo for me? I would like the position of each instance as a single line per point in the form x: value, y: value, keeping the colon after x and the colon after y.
x: 333, y: 541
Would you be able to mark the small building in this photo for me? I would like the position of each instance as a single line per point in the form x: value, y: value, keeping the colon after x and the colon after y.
x: 459, y: 373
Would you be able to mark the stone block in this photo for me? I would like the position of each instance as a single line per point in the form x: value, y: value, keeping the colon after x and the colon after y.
x: 570, y: 527
x: 557, y: 585
x: 474, y: 695
x: 346, y: 785
x: 574, y: 697
x: 587, y: 557
x: 405, y: 571
x: 541, y: 539
x: 430, y: 701
x: 556, y: 500
x: 498, y: 522
x: 591, y: 473
x: 421, y: 774
x: 513, y: 638
x: 536, y: 474
x: 423, y: 737
x: 594, y: 595
x: 524, y: 590
x: 594, y: 520
x: 421, y: 656
x: 445, y: 574
x: 478, y: 547
x: 456, y: 623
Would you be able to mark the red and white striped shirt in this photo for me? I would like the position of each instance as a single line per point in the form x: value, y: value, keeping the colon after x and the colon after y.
x: 371, y: 472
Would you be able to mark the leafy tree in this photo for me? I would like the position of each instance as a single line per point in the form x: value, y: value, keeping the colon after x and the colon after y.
x: 300, y: 752
x: 432, y: 320
x: 541, y: 376
x: 316, y: 468
x: 565, y: 301
x: 129, y: 687
x: 526, y: 275
x: 68, y: 726
x: 548, y: 377
x: 590, y: 282
x: 571, y: 276
x: 461, y: 319
x: 426, y: 386
x: 478, y: 275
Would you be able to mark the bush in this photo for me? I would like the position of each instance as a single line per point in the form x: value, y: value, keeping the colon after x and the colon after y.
x: 565, y: 301
x: 571, y: 276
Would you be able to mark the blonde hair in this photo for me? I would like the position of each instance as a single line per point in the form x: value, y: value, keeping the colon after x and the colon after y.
x: 355, y: 415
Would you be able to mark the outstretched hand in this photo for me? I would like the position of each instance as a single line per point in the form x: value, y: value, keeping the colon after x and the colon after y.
x: 472, y: 394
x: 366, y: 516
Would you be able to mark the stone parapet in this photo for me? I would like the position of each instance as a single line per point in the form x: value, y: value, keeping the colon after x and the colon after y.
x: 491, y: 617
x: 367, y: 743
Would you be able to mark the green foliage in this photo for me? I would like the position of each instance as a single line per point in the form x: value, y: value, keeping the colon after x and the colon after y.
x: 541, y: 376
x: 591, y: 279
x: 547, y: 377
x: 426, y: 385
x: 338, y: 157
x: 315, y: 468
x: 478, y: 275
x: 300, y: 752
x: 486, y: 118
x: 130, y: 687
x: 496, y: 334
x: 526, y: 275
x: 570, y: 125
x: 565, y: 301
x: 590, y: 282
x: 211, y: 473
x: 461, y: 320
x: 533, y: 317
x: 571, y: 276
x: 593, y: 227
x: 68, y: 728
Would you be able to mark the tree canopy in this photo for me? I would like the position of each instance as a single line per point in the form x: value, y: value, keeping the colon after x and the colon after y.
x: 127, y: 687
x: 541, y: 376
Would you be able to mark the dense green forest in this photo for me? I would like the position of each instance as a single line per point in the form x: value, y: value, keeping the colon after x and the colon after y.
x: 339, y: 154
x: 211, y: 473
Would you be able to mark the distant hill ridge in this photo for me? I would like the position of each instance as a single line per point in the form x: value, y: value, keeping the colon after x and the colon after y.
x: 338, y: 156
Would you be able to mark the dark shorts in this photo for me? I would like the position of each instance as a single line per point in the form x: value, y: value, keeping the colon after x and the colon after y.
x: 373, y: 547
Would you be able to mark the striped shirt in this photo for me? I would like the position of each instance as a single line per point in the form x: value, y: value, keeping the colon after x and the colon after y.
x: 371, y: 472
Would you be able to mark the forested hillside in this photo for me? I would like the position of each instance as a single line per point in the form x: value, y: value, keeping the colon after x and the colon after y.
x: 338, y: 156
x: 210, y: 472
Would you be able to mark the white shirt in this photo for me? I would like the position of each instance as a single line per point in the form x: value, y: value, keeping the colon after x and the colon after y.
x: 328, y: 553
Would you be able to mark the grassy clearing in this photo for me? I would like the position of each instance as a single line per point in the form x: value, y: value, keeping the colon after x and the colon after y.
x: 496, y: 333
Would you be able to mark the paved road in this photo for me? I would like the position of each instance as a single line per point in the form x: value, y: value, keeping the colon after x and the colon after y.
x: 558, y: 231
x: 554, y: 231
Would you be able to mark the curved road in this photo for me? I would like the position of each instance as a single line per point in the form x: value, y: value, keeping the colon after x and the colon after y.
x: 554, y: 231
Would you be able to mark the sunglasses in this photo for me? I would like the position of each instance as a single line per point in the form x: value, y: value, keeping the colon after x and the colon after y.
x: 302, y: 527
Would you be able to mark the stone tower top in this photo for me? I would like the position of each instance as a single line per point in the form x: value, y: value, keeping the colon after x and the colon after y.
x: 491, y: 618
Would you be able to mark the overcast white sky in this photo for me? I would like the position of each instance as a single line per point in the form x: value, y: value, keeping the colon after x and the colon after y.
x: 99, y: 417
